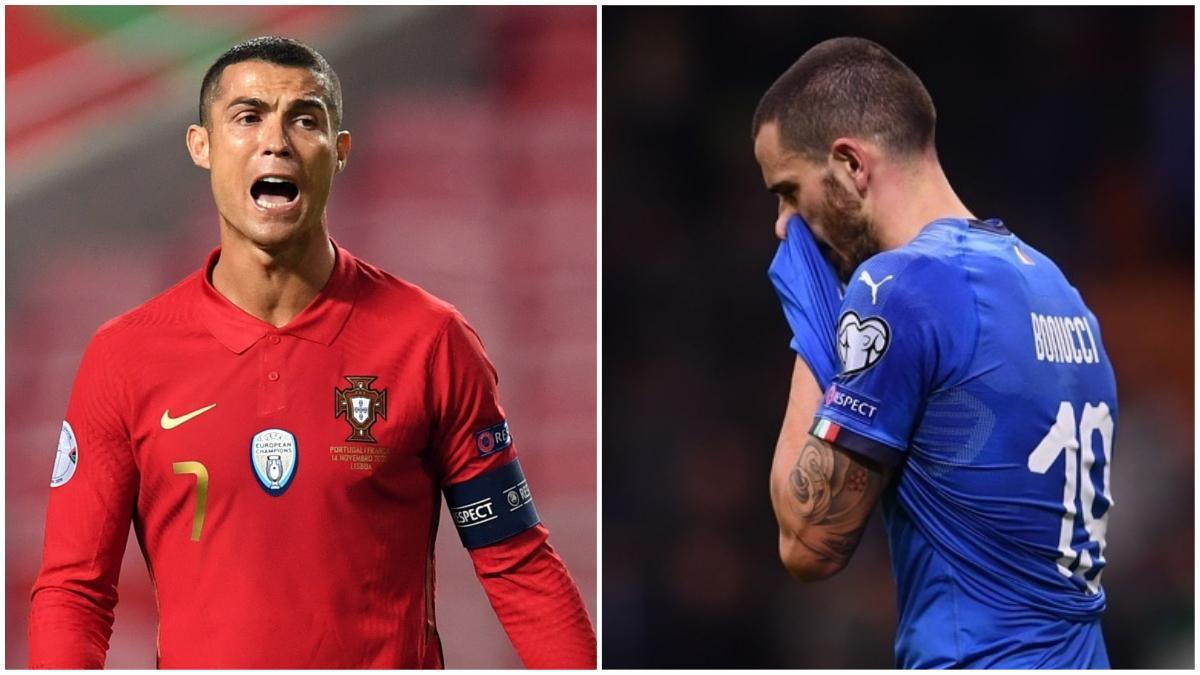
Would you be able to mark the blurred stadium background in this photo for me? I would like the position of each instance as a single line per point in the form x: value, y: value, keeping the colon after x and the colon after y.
x: 472, y: 175
x: 1073, y: 125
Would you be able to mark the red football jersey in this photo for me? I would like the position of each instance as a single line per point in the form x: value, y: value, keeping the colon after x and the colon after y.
x: 285, y: 484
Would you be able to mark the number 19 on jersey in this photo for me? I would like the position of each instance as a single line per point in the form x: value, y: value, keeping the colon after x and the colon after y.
x: 1079, y: 488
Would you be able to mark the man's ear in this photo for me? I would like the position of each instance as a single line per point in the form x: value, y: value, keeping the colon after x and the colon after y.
x: 197, y: 144
x: 855, y: 161
x: 343, y: 150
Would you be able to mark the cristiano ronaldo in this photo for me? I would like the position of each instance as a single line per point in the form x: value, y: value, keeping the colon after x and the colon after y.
x: 280, y: 426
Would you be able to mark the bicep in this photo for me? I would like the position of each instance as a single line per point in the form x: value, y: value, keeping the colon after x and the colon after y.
x: 95, y: 486
x: 823, y: 495
x: 470, y: 431
x: 486, y: 491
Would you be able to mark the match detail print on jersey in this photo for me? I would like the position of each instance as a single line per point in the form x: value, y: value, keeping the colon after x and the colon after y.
x: 66, y: 458
x: 169, y: 422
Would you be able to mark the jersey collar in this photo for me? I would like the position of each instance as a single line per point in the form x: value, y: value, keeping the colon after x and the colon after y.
x: 320, y: 321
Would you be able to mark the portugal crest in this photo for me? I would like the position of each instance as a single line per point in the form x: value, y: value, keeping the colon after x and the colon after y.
x: 360, y: 404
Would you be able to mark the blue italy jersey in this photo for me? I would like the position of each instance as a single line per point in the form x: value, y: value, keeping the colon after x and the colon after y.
x: 810, y: 292
x: 972, y: 366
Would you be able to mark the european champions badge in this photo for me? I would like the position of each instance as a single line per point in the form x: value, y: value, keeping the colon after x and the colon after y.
x: 273, y: 457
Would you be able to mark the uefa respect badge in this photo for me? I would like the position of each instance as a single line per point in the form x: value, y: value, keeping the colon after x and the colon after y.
x: 493, y: 439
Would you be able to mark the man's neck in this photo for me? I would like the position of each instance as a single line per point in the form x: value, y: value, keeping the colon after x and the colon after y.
x: 922, y: 195
x: 273, y: 285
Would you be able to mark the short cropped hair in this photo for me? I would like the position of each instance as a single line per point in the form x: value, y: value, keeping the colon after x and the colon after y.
x: 280, y: 51
x: 848, y: 86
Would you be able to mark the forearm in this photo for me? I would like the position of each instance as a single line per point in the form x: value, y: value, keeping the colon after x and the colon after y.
x: 803, y: 399
x: 537, y: 602
x: 68, y: 630
x: 75, y: 593
x: 822, y: 496
x: 822, y: 509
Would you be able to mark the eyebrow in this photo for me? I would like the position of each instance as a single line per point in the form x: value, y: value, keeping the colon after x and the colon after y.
x: 258, y: 103
x: 248, y: 101
x: 310, y: 102
x: 783, y: 187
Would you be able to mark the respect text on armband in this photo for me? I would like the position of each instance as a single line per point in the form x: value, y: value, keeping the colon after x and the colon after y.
x: 850, y: 403
x: 492, y: 506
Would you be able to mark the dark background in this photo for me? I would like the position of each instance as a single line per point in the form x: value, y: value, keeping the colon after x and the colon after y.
x: 1073, y: 125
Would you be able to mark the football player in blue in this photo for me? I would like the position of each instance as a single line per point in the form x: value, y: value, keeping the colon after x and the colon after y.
x: 944, y: 368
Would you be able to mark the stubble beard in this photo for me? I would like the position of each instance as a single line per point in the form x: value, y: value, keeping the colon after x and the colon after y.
x: 852, y: 237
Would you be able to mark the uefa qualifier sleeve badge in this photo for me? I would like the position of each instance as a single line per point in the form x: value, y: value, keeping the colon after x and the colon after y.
x: 67, y: 457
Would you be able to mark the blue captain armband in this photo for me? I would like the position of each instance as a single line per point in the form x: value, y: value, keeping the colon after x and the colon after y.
x: 492, y: 506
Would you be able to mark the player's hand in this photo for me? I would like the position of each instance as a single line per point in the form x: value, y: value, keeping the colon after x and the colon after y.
x: 811, y: 294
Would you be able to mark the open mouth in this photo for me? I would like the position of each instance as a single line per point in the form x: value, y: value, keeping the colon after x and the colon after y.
x: 272, y: 192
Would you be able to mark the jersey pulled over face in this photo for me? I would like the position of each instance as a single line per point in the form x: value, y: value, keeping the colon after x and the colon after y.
x: 971, y: 364
x: 284, y: 482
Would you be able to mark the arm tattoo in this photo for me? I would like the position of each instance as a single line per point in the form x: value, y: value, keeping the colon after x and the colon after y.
x: 834, y: 494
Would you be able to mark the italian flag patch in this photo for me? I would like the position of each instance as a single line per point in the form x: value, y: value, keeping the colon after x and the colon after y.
x: 826, y: 430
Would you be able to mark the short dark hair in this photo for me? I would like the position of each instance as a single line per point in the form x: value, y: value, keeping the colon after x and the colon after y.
x: 848, y: 86
x: 280, y: 51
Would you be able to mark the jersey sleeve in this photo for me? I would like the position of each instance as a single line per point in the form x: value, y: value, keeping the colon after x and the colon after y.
x: 906, y: 328
x: 537, y: 602
x: 810, y: 292
x: 92, y: 498
x: 529, y: 587
x: 485, y: 487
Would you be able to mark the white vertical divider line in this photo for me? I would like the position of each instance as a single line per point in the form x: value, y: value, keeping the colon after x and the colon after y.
x: 599, y: 339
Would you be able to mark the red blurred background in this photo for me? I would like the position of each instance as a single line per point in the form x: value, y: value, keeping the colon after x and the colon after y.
x: 472, y: 175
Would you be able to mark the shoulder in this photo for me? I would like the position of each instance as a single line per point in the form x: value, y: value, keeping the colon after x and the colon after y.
x: 386, y: 297
x: 947, y: 299
x: 387, y: 304
x: 154, y: 317
x: 918, y: 298
x: 121, y: 345
x: 927, y: 274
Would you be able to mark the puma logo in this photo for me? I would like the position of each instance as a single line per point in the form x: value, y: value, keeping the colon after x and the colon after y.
x: 865, y: 277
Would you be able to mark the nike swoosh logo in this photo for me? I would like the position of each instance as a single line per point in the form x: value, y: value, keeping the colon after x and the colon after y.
x: 169, y: 422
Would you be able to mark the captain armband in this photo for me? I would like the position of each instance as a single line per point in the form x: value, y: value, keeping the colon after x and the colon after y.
x: 492, y: 507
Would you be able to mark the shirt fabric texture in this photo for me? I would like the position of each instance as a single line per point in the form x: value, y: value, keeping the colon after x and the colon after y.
x: 320, y: 552
x: 972, y: 366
